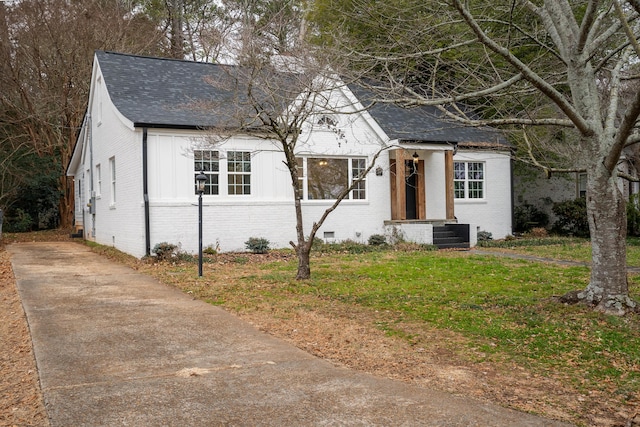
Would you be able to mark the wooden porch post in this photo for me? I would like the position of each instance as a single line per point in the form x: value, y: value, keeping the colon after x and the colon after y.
x: 401, y: 189
x: 421, y: 196
x: 448, y: 171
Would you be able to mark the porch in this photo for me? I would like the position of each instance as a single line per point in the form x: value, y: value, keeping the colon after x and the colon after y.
x: 445, y: 234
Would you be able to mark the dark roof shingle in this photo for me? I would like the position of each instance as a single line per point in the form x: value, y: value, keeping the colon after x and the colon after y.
x: 161, y: 92
x: 424, y: 123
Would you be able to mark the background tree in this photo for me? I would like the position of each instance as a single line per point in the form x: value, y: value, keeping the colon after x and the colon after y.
x: 46, y: 53
x: 557, y: 64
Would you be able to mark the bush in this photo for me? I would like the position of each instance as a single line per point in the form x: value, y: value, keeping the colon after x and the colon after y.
x: 377, y: 240
x: 633, y: 216
x: 484, y: 236
x: 211, y: 249
x: 572, y: 218
x: 527, y: 216
x: 165, y: 251
x: 317, y: 243
x: 19, y: 222
x: 257, y: 245
x: 537, y: 232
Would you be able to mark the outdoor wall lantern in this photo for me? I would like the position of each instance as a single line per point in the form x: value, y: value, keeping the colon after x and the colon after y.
x: 415, y: 157
x: 201, y: 179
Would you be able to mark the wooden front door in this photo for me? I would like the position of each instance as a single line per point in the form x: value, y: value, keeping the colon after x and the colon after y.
x: 407, y: 189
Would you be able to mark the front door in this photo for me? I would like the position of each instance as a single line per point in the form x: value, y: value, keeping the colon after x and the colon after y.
x: 407, y: 190
x: 411, y: 189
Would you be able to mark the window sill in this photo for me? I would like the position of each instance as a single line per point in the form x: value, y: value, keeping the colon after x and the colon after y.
x: 330, y: 202
x: 470, y: 201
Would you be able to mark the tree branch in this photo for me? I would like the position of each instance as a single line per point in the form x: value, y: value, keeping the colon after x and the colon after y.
x: 537, y: 81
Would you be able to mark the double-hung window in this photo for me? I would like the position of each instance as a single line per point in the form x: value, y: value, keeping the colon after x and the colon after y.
x: 208, y: 162
x: 112, y: 171
x: 468, y: 180
x: 98, y: 180
x: 325, y: 178
x: 239, y: 172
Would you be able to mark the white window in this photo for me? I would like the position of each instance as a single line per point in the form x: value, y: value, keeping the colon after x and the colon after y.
x: 112, y: 172
x: 98, y: 188
x: 324, y: 178
x: 208, y: 162
x: 468, y: 180
x: 239, y: 172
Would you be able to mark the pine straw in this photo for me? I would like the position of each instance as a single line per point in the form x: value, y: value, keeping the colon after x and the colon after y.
x: 21, y: 401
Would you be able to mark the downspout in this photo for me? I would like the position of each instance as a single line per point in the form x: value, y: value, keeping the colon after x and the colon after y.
x: 511, y: 177
x: 145, y: 191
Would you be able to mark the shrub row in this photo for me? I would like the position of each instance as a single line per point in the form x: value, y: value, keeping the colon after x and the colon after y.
x: 572, y: 218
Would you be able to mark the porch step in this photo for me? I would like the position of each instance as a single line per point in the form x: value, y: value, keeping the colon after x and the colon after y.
x: 451, y: 236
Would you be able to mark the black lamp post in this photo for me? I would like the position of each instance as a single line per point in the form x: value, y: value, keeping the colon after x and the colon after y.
x: 201, y: 179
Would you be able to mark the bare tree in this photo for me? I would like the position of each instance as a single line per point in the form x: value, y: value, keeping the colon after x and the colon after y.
x: 276, y: 99
x: 46, y: 55
x: 521, y: 64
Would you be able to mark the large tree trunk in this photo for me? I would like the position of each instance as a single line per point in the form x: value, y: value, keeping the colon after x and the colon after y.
x: 67, y: 202
x: 608, y: 289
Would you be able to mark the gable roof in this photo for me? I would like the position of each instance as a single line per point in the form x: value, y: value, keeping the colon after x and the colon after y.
x: 162, y: 92
x: 426, y: 123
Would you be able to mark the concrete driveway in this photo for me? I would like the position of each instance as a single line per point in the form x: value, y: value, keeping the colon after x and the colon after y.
x: 117, y: 348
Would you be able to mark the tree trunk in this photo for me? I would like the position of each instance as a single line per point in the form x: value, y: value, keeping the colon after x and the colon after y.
x: 608, y: 288
x: 67, y: 203
x: 304, y: 263
x: 302, y: 246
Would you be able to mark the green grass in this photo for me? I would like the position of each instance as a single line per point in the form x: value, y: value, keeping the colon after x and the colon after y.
x: 503, y: 307
x: 570, y: 249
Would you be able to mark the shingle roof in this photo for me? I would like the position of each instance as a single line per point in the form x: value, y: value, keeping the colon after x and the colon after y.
x: 161, y: 92
x: 425, y: 123
x: 164, y: 92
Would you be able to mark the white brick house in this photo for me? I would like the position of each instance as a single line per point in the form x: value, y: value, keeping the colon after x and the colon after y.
x: 141, y: 146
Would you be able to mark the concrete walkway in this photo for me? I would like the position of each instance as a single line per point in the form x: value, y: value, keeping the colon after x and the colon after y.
x: 117, y: 348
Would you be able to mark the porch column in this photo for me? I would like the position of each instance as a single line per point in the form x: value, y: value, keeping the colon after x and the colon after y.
x: 448, y: 172
x: 401, y: 189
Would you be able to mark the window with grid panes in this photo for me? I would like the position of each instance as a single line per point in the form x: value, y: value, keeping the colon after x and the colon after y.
x: 468, y: 180
x: 239, y: 172
x: 207, y: 162
x: 358, y: 167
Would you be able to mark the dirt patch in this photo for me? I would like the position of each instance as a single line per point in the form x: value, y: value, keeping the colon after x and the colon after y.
x: 346, y: 339
x: 20, y: 397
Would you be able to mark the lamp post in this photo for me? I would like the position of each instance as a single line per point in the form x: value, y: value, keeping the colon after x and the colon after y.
x: 201, y: 179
